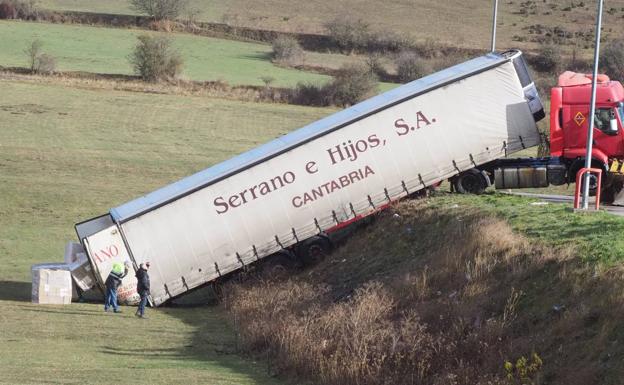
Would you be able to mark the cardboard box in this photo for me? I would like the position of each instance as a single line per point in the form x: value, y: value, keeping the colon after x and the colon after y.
x: 82, y: 273
x: 72, y: 249
x: 51, y: 284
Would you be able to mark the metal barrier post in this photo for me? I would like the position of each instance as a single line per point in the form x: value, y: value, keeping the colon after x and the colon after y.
x: 580, y: 174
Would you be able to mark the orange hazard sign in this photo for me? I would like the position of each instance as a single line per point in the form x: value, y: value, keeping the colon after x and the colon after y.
x: 579, y: 118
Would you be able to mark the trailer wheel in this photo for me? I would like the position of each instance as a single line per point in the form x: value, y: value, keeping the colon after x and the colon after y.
x: 470, y: 182
x: 313, y: 250
x: 217, y: 290
x: 278, y: 264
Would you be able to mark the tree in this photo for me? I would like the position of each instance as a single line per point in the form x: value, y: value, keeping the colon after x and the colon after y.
x: 352, y: 84
x: 548, y: 58
x: 155, y: 59
x: 38, y: 61
x: 286, y: 49
x: 612, y: 59
x: 410, y: 67
x: 33, y: 51
x: 348, y: 34
x: 7, y: 10
x: 160, y: 9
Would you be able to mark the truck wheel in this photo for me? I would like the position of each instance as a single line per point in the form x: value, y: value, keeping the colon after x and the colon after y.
x: 470, y: 182
x: 611, y: 188
x: 313, y: 250
x: 593, y: 185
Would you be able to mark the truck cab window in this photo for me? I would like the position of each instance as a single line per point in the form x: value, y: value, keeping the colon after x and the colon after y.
x: 602, y: 119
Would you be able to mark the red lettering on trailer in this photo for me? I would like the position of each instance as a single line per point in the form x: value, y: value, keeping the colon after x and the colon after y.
x: 325, y: 189
x: 108, y: 252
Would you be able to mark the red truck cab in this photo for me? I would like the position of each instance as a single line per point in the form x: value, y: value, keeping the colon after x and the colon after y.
x: 569, y: 121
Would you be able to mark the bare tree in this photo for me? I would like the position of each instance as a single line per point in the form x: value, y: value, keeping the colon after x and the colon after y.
x: 160, y: 9
x: 410, y: 66
x: 33, y: 52
x: 39, y: 62
x: 286, y: 49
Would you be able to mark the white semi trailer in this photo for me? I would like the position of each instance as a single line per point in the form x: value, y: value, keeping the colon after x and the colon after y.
x: 291, y: 192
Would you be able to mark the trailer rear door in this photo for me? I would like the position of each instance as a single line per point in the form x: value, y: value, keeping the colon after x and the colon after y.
x: 104, y: 248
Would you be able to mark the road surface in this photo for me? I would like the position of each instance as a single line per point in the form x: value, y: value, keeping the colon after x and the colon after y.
x: 616, y: 210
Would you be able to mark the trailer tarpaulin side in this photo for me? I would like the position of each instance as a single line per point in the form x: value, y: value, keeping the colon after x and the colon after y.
x: 326, y: 173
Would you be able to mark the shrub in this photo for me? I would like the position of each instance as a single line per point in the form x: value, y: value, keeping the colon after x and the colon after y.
x: 16, y: 9
x: 308, y: 94
x: 548, y: 58
x: 430, y: 48
x: 7, y: 10
x: 286, y: 49
x: 26, y: 10
x: 375, y: 65
x: 352, y: 84
x: 160, y: 9
x: 155, y: 59
x: 388, y: 41
x: 267, y: 80
x: 348, y: 34
x: 410, y: 67
x: 46, y: 64
x: 612, y: 58
x: 39, y: 62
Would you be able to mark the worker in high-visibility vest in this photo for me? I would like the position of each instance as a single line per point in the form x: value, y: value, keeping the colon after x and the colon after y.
x: 118, y: 272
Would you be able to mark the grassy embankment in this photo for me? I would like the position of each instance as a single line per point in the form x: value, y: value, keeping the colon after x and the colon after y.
x: 70, y: 154
x: 443, y: 291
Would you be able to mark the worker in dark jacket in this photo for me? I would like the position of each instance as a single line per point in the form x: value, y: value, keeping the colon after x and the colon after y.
x: 143, y: 288
x: 113, y: 281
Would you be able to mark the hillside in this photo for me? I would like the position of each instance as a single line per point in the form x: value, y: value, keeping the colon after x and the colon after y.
x: 455, y: 22
x: 106, y: 51
x: 443, y: 291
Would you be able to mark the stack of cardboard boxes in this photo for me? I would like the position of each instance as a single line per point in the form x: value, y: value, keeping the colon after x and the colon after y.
x: 58, y: 283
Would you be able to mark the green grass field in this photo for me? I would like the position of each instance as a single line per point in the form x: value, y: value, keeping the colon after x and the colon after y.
x: 80, y: 344
x: 106, y: 50
x: 69, y: 154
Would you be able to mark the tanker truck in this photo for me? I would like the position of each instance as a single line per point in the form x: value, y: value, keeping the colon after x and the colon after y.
x: 286, y: 198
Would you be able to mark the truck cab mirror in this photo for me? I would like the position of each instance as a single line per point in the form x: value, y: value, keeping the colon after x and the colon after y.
x: 613, y: 124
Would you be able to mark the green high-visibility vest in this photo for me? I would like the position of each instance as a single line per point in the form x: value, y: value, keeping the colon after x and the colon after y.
x: 118, y: 268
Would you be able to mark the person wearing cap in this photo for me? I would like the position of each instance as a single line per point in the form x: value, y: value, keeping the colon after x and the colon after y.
x: 143, y: 288
x: 113, y: 281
